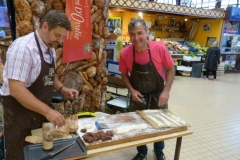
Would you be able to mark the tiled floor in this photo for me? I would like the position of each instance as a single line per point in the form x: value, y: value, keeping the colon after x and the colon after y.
x: 213, y: 111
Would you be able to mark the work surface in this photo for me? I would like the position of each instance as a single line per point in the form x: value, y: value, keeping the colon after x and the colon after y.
x: 129, y: 139
x: 123, y: 120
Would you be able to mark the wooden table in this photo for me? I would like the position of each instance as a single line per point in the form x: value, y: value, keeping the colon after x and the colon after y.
x: 117, y: 147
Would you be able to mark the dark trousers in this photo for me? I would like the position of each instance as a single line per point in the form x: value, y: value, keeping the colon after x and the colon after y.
x: 158, y: 147
x: 214, y: 73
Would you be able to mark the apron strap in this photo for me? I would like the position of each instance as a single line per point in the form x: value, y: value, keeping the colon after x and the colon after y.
x: 149, y: 52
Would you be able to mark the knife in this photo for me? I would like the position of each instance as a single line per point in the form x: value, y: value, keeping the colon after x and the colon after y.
x: 53, y: 153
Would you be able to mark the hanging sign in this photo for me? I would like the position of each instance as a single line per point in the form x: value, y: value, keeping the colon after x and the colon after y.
x: 78, y: 42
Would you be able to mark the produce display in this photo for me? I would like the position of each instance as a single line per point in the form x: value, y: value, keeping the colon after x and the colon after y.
x: 191, y: 48
x: 92, y: 72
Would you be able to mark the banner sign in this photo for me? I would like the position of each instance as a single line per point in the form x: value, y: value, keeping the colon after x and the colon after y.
x: 78, y: 42
x: 231, y: 27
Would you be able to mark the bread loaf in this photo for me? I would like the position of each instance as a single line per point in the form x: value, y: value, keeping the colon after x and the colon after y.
x: 1, y: 73
x: 57, y: 5
x: 99, y: 18
x: 91, y: 71
x: 92, y: 10
x: 96, y: 97
x: 95, y: 8
x: 48, y: 5
x: 100, y: 27
x: 93, y: 82
x: 99, y: 3
x: 17, y: 18
x: 106, y: 32
x: 93, y: 57
x: 24, y: 27
x: 23, y: 9
x: 95, y: 28
x: 38, y: 8
x: 95, y: 15
x: 96, y: 36
x: 105, y: 10
x: 59, y: 53
x: 111, y: 36
x: 64, y: 3
x: 30, y: 1
x: 34, y: 139
x: 35, y: 22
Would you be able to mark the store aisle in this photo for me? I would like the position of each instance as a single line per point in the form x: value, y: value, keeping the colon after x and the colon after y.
x: 213, y: 111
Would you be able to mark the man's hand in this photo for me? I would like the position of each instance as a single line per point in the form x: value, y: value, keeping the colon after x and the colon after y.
x: 137, y: 96
x: 163, y: 98
x: 55, y: 118
x: 69, y: 92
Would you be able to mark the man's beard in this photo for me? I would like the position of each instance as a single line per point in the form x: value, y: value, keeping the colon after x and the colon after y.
x: 53, y: 44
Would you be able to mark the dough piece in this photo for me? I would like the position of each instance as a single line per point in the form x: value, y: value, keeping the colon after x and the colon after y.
x: 177, y: 118
x: 88, y: 137
x: 110, y: 133
x: 96, y: 136
x: 170, y: 119
x: 159, y: 124
x: 34, y: 139
x: 164, y: 120
x: 106, y: 138
x: 87, y: 126
x: 126, y: 129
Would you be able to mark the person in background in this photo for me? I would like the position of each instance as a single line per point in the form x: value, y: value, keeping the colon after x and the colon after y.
x: 212, y: 60
x: 29, y: 79
x: 229, y: 43
x: 118, y: 32
x: 142, y: 66
x: 237, y: 64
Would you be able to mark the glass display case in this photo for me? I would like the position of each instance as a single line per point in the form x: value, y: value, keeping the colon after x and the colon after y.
x: 230, y: 52
x: 4, y: 20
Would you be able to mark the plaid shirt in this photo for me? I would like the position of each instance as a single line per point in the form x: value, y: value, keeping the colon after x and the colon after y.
x: 23, y: 61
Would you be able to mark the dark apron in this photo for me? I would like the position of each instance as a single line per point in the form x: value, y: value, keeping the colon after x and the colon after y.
x: 146, y: 79
x: 18, y: 120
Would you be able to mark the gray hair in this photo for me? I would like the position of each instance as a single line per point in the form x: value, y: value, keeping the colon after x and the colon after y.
x: 135, y: 22
x: 215, y: 44
x: 118, y: 31
x: 56, y: 18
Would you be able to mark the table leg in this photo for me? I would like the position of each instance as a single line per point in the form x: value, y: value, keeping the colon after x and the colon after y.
x: 177, y: 149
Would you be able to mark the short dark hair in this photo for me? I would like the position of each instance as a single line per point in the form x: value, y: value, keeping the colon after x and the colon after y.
x: 56, y: 18
x: 135, y: 22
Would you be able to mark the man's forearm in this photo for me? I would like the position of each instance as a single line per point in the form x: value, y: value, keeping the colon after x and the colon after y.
x: 169, y: 78
x: 57, y: 83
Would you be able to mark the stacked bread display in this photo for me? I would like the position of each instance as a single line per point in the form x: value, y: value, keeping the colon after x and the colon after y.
x: 92, y: 71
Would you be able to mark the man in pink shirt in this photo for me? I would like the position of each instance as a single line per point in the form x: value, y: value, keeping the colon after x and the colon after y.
x: 29, y: 79
x: 142, y: 65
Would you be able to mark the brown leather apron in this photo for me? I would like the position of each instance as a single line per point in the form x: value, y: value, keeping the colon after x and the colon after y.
x: 146, y: 79
x: 18, y: 120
